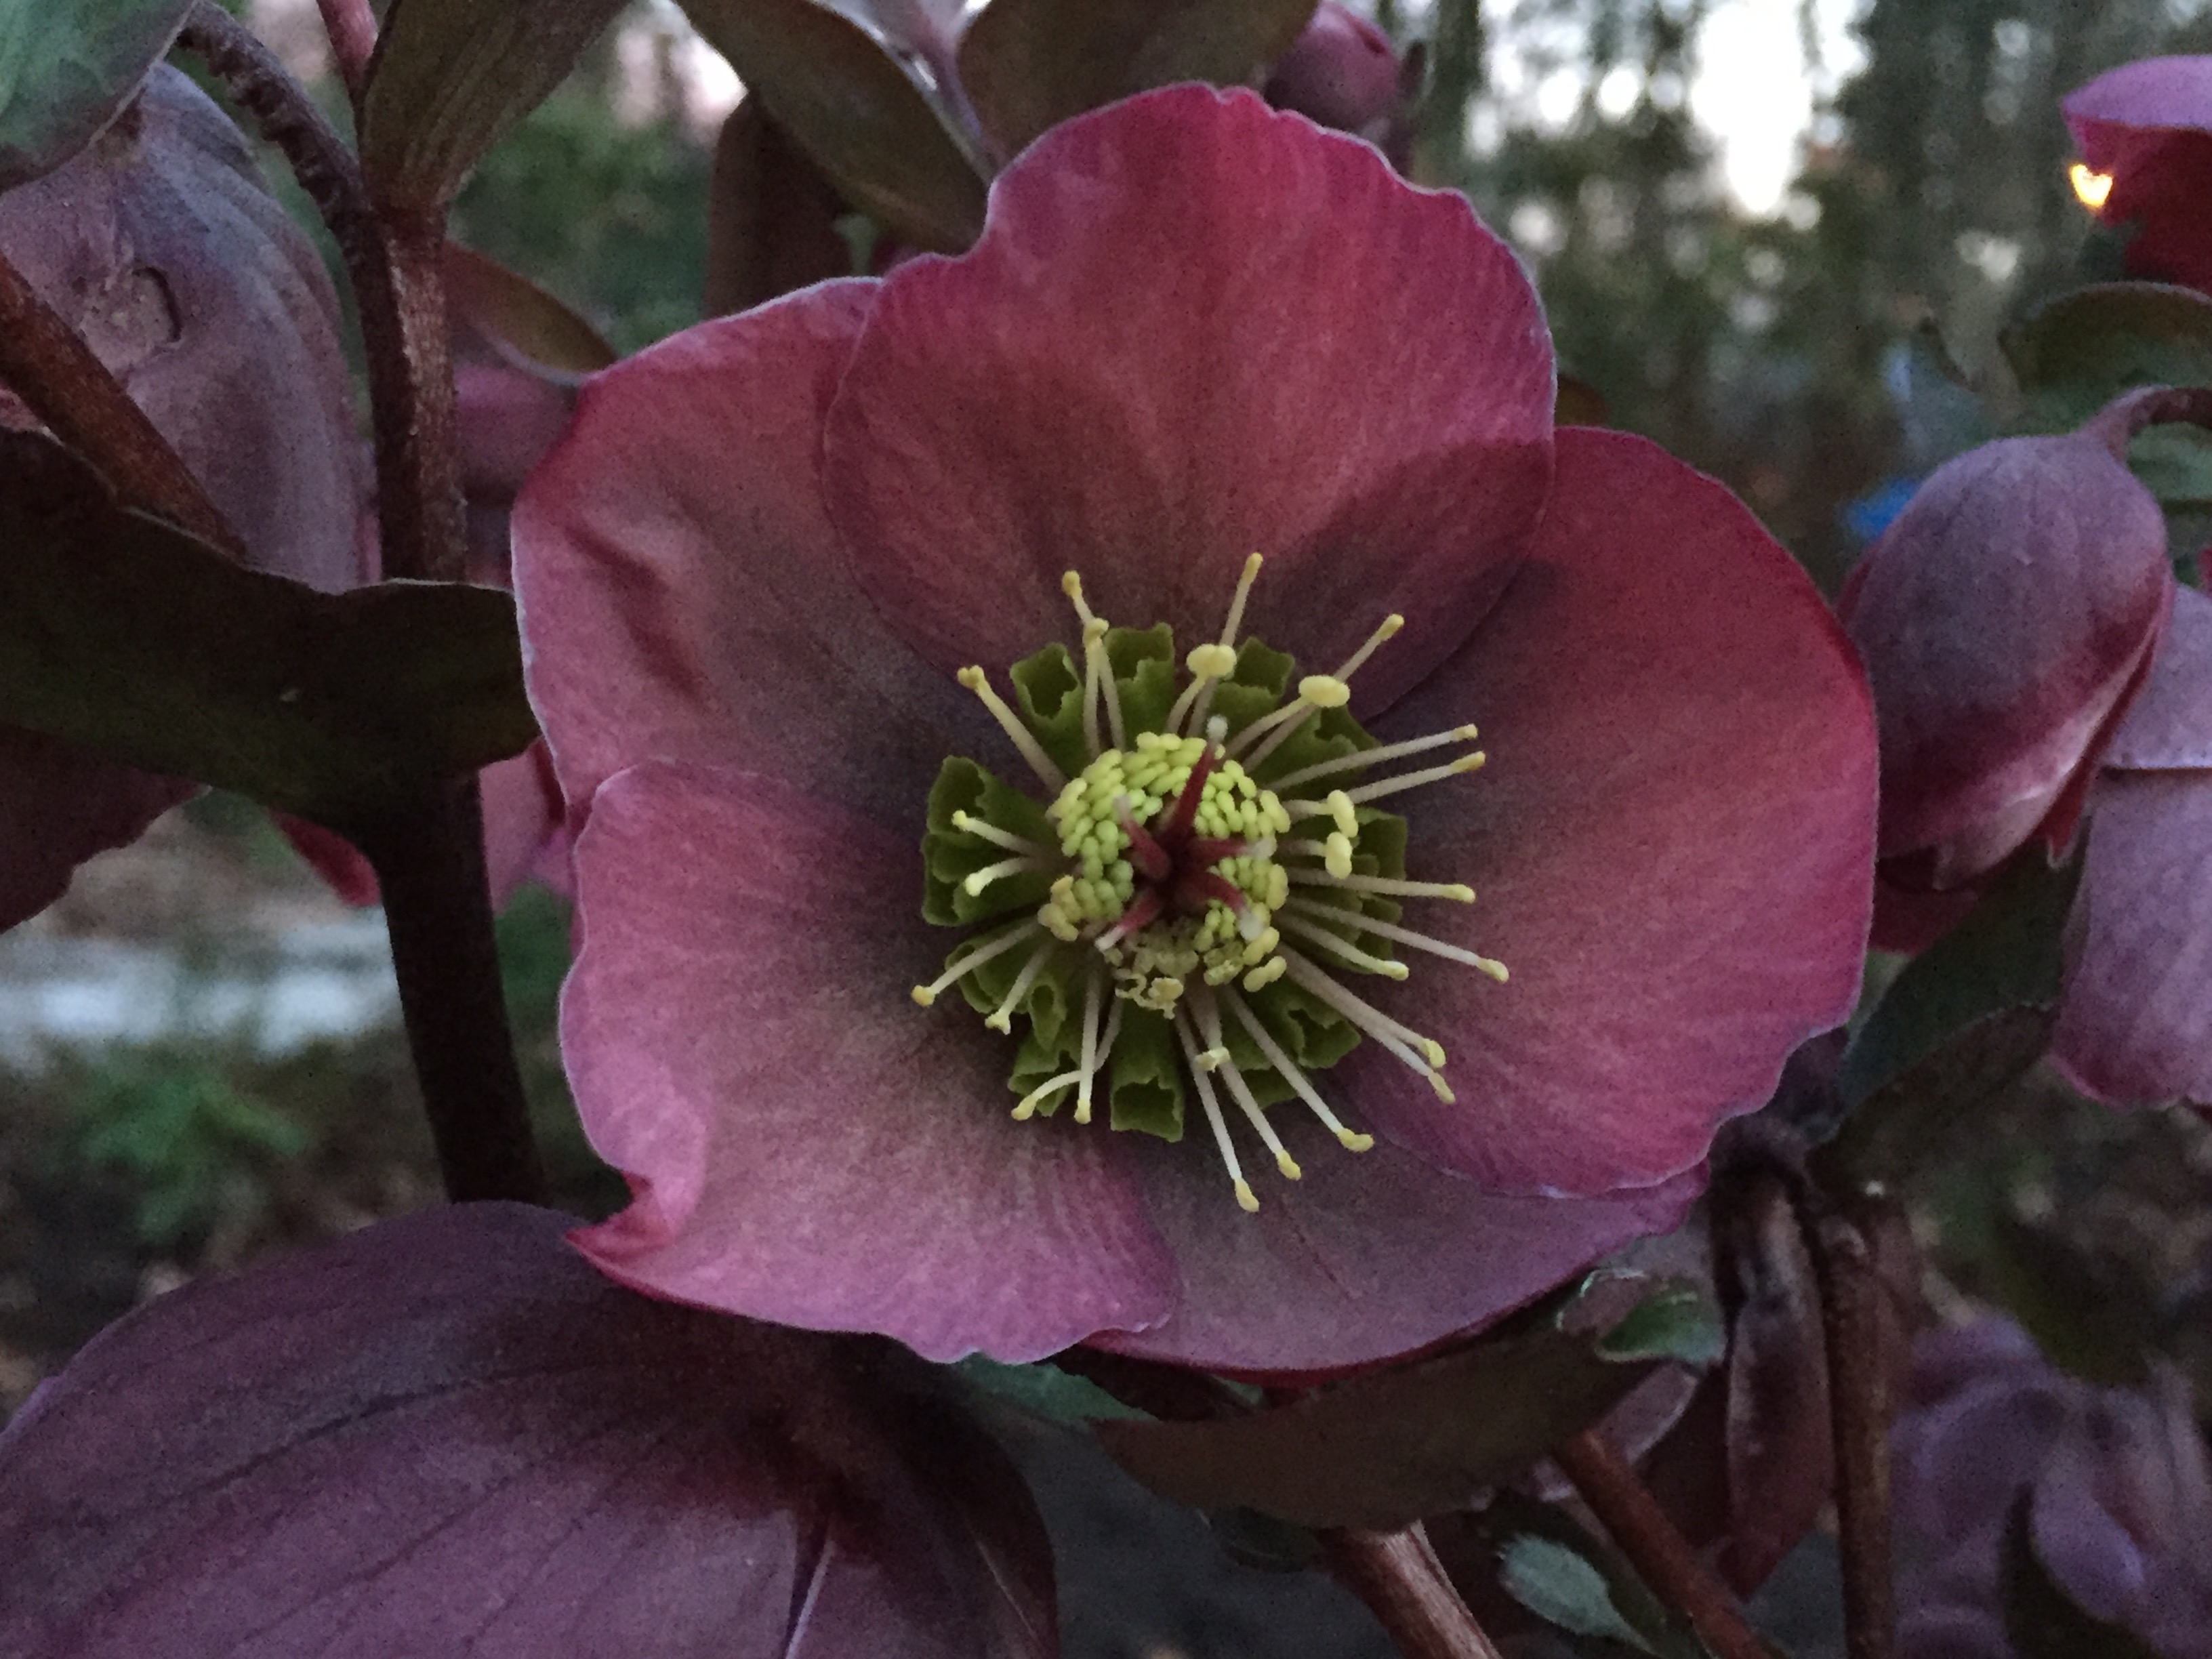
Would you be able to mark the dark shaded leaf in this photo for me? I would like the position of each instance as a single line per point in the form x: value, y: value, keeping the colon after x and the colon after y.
x: 771, y: 216
x: 1027, y: 64
x: 66, y: 67
x: 1780, y: 1445
x: 1676, y: 1321
x: 2076, y: 354
x: 450, y: 77
x: 851, y: 106
x: 448, y: 1434
x: 521, y: 320
x: 126, y: 637
x: 1255, y: 1539
x: 1045, y: 1390
x: 2087, y: 1316
x: 2042, y: 1621
x: 1384, y: 1449
x: 1963, y: 1020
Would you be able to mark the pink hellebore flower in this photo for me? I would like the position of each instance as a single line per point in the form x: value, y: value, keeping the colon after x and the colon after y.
x: 2033, y: 658
x: 773, y: 582
x: 2145, y: 130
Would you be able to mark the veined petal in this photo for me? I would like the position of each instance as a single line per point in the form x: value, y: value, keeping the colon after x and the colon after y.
x: 2169, y: 724
x: 1194, y: 330
x: 1671, y: 842
x: 804, y: 1144
x: 1367, y: 1257
x: 682, y: 594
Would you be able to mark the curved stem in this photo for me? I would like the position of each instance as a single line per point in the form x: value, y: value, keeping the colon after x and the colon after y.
x: 65, y: 384
x: 1404, y: 1585
x: 1858, y: 1343
x: 1655, y: 1546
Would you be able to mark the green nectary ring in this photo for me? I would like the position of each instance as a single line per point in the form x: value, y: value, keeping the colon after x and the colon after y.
x: 1178, y: 911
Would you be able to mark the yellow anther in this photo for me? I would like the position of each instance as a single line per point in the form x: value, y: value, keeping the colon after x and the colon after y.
x: 1434, y: 1050
x: 1345, y: 814
x: 1289, y: 1166
x: 1210, y: 1060
x: 1352, y: 1141
x: 1266, y: 973
x: 924, y: 996
x: 1211, y: 661
x: 1336, y: 856
x: 1473, y: 762
x: 1324, y: 691
x: 1495, y: 968
x: 1443, y: 1089
x: 1247, y: 1200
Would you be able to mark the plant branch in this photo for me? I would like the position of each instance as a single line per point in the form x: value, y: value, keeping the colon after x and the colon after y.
x: 1404, y: 1585
x: 428, y: 851
x: 65, y: 386
x: 1654, y: 1545
x: 397, y: 275
x: 1853, y: 1299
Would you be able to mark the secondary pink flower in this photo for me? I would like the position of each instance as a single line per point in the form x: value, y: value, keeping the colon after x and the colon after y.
x: 2146, y: 127
x: 2032, y: 658
x: 1342, y: 72
x: 759, y: 571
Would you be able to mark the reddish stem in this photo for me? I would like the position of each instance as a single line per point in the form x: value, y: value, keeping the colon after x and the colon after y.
x: 1184, y: 813
x: 1858, y: 1342
x: 65, y: 386
x: 352, y: 28
x: 1655, y: 1547
x: 1404, y: 1585
x: 1151, y: 858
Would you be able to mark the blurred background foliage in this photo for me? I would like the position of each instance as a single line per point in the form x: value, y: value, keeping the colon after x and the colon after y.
x: 1814, y: 358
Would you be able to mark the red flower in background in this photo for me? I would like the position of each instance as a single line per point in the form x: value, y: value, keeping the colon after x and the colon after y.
x: 2145, y: 128
x: 752, y: 570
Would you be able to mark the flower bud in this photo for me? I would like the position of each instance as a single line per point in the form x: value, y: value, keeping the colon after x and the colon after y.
x: 2006, y: 619
x: 2145, y: 133
x: 1341, y: 73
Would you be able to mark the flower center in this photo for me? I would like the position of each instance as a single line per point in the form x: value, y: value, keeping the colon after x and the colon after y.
x: 1190, y: 897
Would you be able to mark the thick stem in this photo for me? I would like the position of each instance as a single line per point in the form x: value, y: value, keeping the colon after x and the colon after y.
x: 352, y: 28
x: 427, y: 851
x: 1404, y: 1585
x: 1854, y: 1299
x: 1655, y: 1546
x: 65, y: 384
x: 397, y: 264
x: 418, y: 466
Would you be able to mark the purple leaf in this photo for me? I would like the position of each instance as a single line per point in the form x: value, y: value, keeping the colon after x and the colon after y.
x: 448, y: 1436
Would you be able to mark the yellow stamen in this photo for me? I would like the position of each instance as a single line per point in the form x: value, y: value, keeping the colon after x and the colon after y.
x: 1245, y: 1197
x: 1403, y: 936
x: 990, y: 872
x: 1350, y: 1139
x: 1392, y: 1036
x: 1364, y: 757
x: 926, y: 994
x: 1387, y: 886
x: 1003, y: 1018
x: 1032, y: 750
x: 1209, y: 1018
x: 1405, y: 780
x: 969, y: 823
x: 1343, y: 947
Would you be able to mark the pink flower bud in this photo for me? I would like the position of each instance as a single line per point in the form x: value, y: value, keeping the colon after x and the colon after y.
x: 1342, y: 72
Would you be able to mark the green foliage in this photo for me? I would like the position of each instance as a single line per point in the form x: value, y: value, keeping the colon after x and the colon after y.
x: 127, y: 636
x: 613, y: 219
x: 66, y: 67
x: 185, y: 1139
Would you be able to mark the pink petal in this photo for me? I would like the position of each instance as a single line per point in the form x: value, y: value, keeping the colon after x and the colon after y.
x: 683, y: 596
x: 2004, y: 618
x: 804, y: 1144
x: 59, y: 806
x: 1192, y: 330
x: 2123, y: 109
x: 2170, y: 725
x: 446, y: 1434
x: 342, y: 866
x: 1672, y: 841
x: 1369, y: 1256
x: 2135, y: 1026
